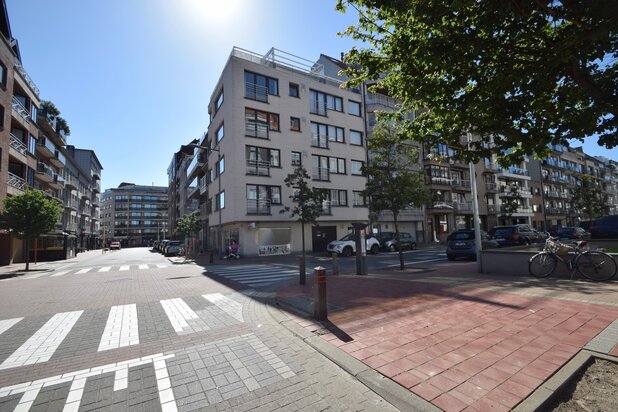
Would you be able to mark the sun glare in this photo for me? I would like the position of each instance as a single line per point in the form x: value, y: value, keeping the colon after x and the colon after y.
x: 214, y: 11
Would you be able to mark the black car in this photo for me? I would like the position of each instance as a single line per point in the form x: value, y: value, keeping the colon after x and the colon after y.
x: 514, y: 235
x: 461, y: 243
x: 572, y: 233
x: 605, y: 228
x: 388, y: 241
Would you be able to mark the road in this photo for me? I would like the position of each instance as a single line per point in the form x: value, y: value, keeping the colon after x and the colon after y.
x: 129, y: 330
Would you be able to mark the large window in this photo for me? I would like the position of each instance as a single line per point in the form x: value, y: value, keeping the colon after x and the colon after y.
x: 220, y: 133
x: 258, y: 87
x: 260, y: 197
x: 356, y: 167
x: 321, y: 133
x: 220, y: 200
x: 297, y: 159
x: 354, y: 108
x: 338, y: 197
x: 438, y: 175
x: 321, y: 102
x: 263, y: 155
x: 356, y: 138
x: 321, y: 169
x: 258, y: 123
x: 336, y: 165
x: 219, y: 101
x: 357, y: 198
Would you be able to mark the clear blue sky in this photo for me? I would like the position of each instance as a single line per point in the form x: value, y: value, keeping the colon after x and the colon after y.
x: 133, y: 77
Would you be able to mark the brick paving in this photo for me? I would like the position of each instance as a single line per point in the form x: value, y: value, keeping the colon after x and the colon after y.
x: 464, y: 341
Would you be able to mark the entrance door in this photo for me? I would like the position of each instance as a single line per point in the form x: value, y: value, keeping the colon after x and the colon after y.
x: 321, y: 236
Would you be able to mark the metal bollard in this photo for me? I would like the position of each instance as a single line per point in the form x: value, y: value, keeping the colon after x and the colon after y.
x: 301, y: 271
x: 319, y: 304
x: 335, y: 264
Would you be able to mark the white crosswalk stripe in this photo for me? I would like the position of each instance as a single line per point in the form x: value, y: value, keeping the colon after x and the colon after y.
x: 124, y: 267
x: 91, y: 270
x: 178, y: 313
x: 142, y: 267
x: 7, y: 324
x: 85, y: 270
x: 121, y: 328
x: 105, y: 269
x: 61, y: 273
x: 254, y: 275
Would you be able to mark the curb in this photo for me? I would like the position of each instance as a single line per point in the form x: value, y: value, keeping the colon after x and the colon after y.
x: 389, y: 390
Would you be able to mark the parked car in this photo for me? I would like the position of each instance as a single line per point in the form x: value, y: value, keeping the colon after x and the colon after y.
x: 389, y: 241
x: 172, y: 248
x: 115, y: 246
x: 155, y: 244
x: 346, y: 246
x: 514, y: 235
x: 572, y: 233
x: 461, y: 243
x: 605, y: 228
x: 541, y: 236
x: 162, y: 245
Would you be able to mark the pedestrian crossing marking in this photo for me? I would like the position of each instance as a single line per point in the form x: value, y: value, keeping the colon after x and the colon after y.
x: 124, y: 267
x: 160, y: 266
x: 142, y: 267
x: 255, y: 275
x: 85, y: 270
x: 178, y: 312
x: 42, y: 345
x: 121, y: 328
x: 61, y: 273
x: 105, y: 269
x: 7, y: 324
x: 229, y: 306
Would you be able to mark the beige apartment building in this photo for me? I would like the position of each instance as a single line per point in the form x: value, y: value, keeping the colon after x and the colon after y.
x: 268, y: 115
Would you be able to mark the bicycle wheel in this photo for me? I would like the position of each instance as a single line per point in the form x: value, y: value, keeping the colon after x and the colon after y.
x: 542, y: 265
x: 596, y: 265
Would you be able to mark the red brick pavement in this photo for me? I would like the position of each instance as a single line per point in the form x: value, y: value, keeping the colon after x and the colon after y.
x: 459, y: 347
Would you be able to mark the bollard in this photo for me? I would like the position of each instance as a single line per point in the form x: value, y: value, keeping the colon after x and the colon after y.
x: 335, y: 263
x: 319, y: 304
x: 301, y: 271
x: 211, y: 258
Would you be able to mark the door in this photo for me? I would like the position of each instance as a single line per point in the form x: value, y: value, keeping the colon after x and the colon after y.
x: 321, y: 236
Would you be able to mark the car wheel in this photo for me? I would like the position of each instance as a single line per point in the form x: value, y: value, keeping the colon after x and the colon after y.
x: 450, y: 257
x: 392, y: 248
x: 375, y: 249
x: 347, y: 251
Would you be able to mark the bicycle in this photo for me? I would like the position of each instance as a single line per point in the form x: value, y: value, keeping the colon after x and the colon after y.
x: 592, y: 264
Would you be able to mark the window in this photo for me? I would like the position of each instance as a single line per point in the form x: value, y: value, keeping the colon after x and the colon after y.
x: 321, y: 170
x: 258, y: 123
x: 260, y: 197
x: 438, y: 174
x: 219, y: 101
x: 221, y: 165
x: 295, y: 124
x: 262, y: 155
x: 1, y: 117
x: 220, y: 201
x: 356, y: 138
x: 357, y: 198
x: 296, y: 159
x: 336, y: 165
x: 338, y: 197
x: 321, y: 102
x: 220, y: 133
x: 294, y: 90
x: 354, y: 107
x: 258, y: 87
x: 3, y: 75
x: 321, y: 133
x: 32, y: 145
x: 356, y: 167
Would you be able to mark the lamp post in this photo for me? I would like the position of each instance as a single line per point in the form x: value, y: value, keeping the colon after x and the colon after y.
x: 475, y: 211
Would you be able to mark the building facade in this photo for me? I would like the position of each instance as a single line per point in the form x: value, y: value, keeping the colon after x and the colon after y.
x: 134, y: 215
x: 182, y: 185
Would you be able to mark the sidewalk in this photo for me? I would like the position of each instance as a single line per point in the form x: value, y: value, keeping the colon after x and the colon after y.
x: 462, y: 340
x: 19, y: 269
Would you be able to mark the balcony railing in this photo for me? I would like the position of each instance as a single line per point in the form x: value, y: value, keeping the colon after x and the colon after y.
x: 441, y: 204
x: 258, y: 168
x: 46, y: 143
x: 320, y: 141
x: 321, y: 173
x: 256, y: 129
x: 440, y: 181
x: 18, y: 145
x: 463, y: 206
x: 520, y: 209
x: 20, y: 109
x: 256, y: 92
x: 27, y: 78
x: 514, y: 171
x: 16, y: 182
x: 258, y: 207
x: 461, y: 184
x: 491, y: 187
x: 46, y: 170
x: 326, y: 208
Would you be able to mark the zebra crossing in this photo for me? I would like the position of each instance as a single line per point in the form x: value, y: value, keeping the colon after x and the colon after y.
x: 89, y: 271
x: 24, y: 344
x: 256, y: 276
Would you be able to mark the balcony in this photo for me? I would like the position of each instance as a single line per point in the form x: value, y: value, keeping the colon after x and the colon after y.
x: 491, y: 187
x: 58, y: 160
x: 460, y: 184
x: 58, y: 182
x: 459, y: 164
x: 70, y: 227
x: 326, y: 208
x: 203, y: 183
x: 193, y: 192
x: 492, y: 209
x: 441, y: 205
x: 45, y: 147
x: 17, y: 148
x: 258, y: 168
x: 44, y: 172
x: 22, y: 112
x: 514, y: 171
x: 71, y: 182
x: 465, y: 207
x: 256, y: 92
x: 321, y: 174
x: 96, y: 187
x: 16, y: 185
x: 258, y: 207
x: 444, y: 181
x: 256, y: 129
x: 84, y: 211
x: 20, y: 69
x: 71, y: 204
x: 320, y: 141
x: 520, y: 210
x: 46, y: 121
x: 491, y: 167
x: 96, y: 174
x: 194, y: 167
x: 86, y: 194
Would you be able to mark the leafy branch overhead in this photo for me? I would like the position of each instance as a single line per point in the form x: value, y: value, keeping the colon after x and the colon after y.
x: 519, y: 74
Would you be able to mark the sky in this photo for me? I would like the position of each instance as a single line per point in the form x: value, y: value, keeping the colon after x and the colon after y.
x: 133, y: 78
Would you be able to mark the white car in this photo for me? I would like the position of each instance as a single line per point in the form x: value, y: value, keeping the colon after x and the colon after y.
x: 346, y: 246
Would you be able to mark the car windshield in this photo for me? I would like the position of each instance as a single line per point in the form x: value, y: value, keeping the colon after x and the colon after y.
x: 349, y: 236
x: 504, y: 231
x: 388, y: 235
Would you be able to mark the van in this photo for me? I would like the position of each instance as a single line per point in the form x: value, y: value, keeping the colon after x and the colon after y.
x: 605, y: 228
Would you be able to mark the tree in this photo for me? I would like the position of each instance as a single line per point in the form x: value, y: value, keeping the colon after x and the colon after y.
x: 511, y: 200
x: 518, y: 74
x: 309, y: 206
x: 393, y: 183
x: 188, y: 224
x: 588, y: 198
x: 28, y: 216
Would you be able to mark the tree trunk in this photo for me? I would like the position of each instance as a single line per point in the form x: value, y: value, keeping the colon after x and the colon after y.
x: 27, y: 254
x: 303, y: 277
x: 398, y: 237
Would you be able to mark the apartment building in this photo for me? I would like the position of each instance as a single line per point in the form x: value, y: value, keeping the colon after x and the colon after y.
x: 134, y: 215
x: 268, y: 115
x: 182, y: 185
x: 34, y: 155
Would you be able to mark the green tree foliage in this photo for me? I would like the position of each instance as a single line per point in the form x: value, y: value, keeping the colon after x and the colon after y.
x: 394, y: 183
x: 308, y: 206
x: 189, y: 225
x: 588, y: 198
x: 28, y: 216
x: 523, y: 73
x: 511, y: 200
